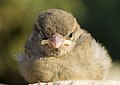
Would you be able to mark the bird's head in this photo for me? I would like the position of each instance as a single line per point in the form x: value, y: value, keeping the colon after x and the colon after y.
x: 56, y: 32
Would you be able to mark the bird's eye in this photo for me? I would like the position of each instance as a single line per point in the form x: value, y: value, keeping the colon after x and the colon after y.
x: 45, y: 37
x: 70, y: 35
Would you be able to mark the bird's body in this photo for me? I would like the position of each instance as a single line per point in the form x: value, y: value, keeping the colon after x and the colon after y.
x: 58, y: 49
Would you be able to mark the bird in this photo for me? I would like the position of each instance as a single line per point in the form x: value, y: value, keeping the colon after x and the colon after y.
x: 59, y: 49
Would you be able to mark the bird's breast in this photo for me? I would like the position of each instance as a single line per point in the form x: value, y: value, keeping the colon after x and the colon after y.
x: 52, y: 69
x: 46, y: 68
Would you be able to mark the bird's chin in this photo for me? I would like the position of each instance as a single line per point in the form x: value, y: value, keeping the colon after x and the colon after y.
x: 55, y: 53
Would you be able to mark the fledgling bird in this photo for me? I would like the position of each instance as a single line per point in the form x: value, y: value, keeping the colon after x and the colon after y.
x: 58, y: 49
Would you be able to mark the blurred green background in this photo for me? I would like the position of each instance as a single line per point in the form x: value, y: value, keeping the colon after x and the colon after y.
x: 100, y: 17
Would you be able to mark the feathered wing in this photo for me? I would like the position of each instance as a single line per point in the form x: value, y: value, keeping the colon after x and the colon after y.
x: 93, y: 55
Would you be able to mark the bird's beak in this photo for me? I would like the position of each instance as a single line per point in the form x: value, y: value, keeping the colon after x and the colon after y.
x: 57, y: 41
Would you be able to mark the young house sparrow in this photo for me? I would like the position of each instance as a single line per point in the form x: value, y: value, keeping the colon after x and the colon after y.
x: 58, y: 49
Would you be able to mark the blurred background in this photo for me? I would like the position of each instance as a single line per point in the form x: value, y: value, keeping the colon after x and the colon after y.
x: 100, y: 17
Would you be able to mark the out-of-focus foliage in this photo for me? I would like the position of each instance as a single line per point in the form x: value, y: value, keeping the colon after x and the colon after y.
x: 99, y: 17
